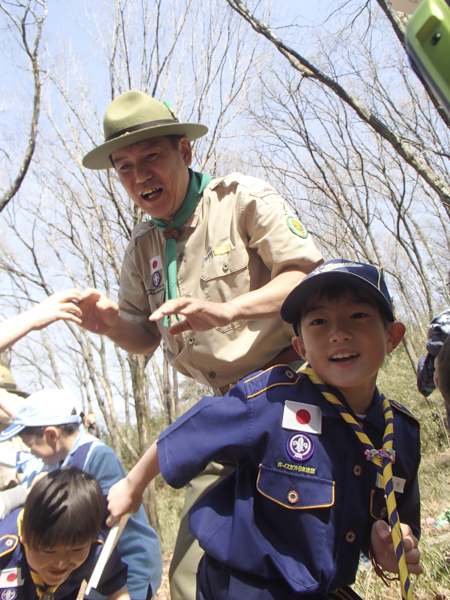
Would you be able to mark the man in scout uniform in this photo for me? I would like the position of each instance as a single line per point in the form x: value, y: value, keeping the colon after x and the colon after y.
x: 323, y: 459
x: 207, y: 273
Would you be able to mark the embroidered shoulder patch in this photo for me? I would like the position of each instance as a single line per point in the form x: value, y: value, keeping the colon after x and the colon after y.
x: 297, y: 227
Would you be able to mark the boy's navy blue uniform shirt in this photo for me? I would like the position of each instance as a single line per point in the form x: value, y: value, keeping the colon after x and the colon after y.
x: 15, y: 578
x: 295, y: 521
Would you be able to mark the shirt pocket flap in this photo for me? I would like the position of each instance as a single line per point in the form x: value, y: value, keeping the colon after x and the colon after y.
x: 294, y: 490
x: 224, y: 264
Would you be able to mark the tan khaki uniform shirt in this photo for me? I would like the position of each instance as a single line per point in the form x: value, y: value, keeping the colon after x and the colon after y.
x: 8, y: 475
x: 239, y: 237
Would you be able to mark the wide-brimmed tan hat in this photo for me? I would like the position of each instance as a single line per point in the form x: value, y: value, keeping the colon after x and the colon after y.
x: 133, y: 117
x: 7, y: 383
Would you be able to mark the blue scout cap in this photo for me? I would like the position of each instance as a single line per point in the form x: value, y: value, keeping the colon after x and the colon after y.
x: 336, y: 272
x: 45, y: 408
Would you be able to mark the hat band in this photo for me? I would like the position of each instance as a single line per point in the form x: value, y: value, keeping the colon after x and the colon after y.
x: 8, y: 386
x: 141, y: 126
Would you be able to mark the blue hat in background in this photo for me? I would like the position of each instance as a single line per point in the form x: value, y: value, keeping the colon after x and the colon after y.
x: 336, y: 272
x: 45, y: 408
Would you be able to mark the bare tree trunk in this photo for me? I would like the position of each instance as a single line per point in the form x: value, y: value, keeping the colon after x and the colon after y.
x: 138, y: 365
x: 23, y: 26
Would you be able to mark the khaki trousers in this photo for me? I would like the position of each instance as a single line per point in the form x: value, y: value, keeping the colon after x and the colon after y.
x: 187, y: 553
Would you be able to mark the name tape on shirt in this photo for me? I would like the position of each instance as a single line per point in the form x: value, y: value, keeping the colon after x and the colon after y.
x: 11, y: 578
x: 398, y: 483
x: 298, y: 416
x: 155, y: 264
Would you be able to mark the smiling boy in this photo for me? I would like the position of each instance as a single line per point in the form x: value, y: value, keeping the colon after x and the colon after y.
x: 306, y: 497
x: 49, y: 548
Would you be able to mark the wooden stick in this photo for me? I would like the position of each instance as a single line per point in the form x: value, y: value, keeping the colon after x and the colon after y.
x: 108, y: 547
x: 83, y: 587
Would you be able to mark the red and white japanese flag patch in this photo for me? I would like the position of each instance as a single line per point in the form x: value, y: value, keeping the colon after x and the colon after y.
x: 298, y: 416
x: 11, y: 578
x: 155, y: 264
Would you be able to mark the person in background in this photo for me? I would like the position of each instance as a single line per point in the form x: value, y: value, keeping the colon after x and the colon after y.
x: 51, y: 545
x: 48, y: 423
x: 12, y: 451
x: 432, y: 368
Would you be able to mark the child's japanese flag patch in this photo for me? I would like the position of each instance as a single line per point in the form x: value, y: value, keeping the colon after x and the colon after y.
x: 298, y: 416
x: 155, y: 264
x: 11, y: 578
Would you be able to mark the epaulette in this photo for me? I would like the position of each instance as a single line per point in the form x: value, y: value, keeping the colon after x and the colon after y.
x: 140, y: 230
x: 264, y: 380
x: 7, y: 544
x: 402, y: 409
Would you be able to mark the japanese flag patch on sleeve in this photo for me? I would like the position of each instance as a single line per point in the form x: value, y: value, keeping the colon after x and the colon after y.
x: 11, y: 578
x: 298, y: 416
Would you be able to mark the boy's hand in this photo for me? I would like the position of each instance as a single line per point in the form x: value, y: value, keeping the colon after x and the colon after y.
x: 122, y: 499
x: 383, y: 548
x: 59, y: 306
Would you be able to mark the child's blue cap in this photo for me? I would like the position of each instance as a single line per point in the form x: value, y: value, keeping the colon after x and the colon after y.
x: 45, y: 408
x: 336, y: 272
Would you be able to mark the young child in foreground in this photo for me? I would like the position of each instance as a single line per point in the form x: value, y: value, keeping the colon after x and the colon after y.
x: 305, y: 498
x: 49, y: 548
x: 48, y: 423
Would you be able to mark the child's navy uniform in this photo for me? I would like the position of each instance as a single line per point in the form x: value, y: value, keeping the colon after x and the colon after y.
x: 291, y: 521
x: 15, y: 578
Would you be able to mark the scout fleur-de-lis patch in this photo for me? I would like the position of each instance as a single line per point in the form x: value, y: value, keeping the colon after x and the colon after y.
x: 300, y: 447
x: 297, y: 227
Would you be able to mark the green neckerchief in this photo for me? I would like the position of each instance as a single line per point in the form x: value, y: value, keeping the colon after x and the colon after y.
x: 197, y: 184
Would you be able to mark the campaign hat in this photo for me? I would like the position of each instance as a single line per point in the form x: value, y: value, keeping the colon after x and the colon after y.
x: 42, y: 409
x: 135, y: 116
x: 337, y: 272
x: 7, y: 383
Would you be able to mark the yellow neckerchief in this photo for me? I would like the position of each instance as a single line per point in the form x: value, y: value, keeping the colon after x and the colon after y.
x: 383, y: 460
x: 41, y: 587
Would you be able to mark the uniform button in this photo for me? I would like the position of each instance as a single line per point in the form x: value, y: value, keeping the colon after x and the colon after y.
x: 350, y: 537
x: 211, y: 375
x: 225, y: 267
x: 289, y: 374
x: 157, y: 305
x: 383, y: 512
x: 357, y: 470
x: 180, y: 256
x: 190, y: 340
x: 292, y: 497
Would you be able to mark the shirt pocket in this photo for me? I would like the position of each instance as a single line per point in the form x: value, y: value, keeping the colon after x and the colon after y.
x: 294, y: 490
x: 226, y: 276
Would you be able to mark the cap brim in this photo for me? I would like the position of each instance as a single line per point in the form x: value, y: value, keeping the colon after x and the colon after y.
x: 10, y: 432
x: 300, y: 295
x: 98, y: 158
